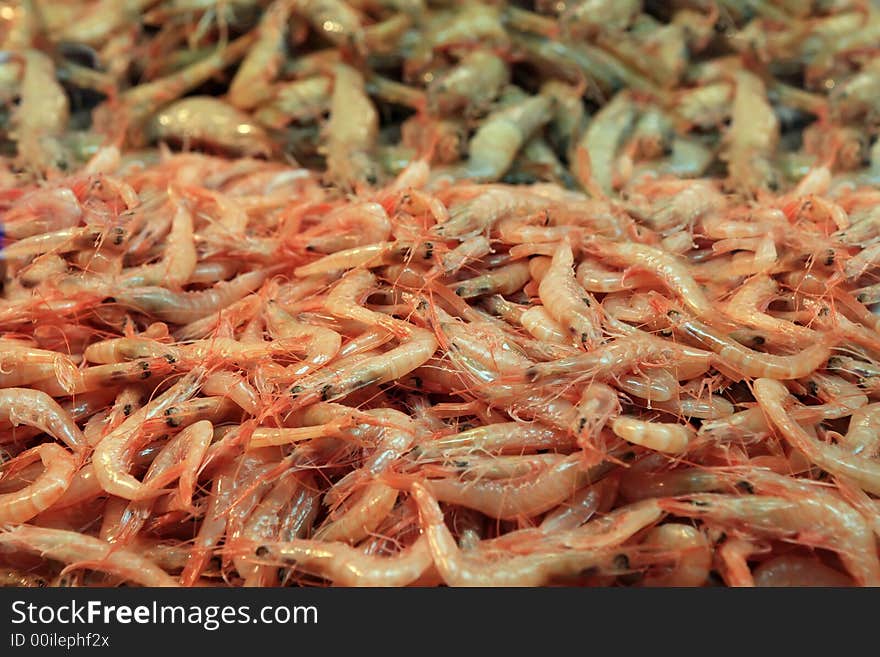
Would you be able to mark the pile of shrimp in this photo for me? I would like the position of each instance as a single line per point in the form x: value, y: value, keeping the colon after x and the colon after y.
x: 390, y: 293
x: 588, y: 94
x: 225, y: 372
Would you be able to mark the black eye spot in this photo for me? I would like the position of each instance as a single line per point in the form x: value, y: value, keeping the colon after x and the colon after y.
x: 745, y: 487
x: 621, y: 562
x: 262, y: 551
x: 325, y: 392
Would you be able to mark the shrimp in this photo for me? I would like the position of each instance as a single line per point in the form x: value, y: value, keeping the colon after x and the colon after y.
x: 186, y: 307
x: 336, y: 21
x: 661, y: 437
x: 503, y: 280
x: 352, y: 128
x: 596, y: 150
x: 75, y: 548
x: 486, y: 208
x: 752, y: 137
x: 297, y: 101
x: 362, y: 516
x: 864, y: 472
x: 514, y: 498
x: 252, y: 82
x: 666, y: 267
x: 791, y: 570
x: 59, y: 467
x: 204, y: 120
x: 500, y: 438
x: 469, y: 86
x: 567, y: 302
x: 863, y: 436
x: 112, y: 455
x: 692, y: 554
x: 459, y: 568
x: 42, y: 115
x: 748, y: 305
x: 348, y: 566
x: 808, y: 520
x: 492, y: 149
x: 37, y: 409
x: 748, y: 362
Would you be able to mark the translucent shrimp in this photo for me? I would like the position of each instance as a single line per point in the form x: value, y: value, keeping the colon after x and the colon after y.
x: 507, y: 499
x: 748, y: 305
x: 76, y: 548
x: 42, y: 115
x: 361, y: 516
x: 808, y: 520
x: 503, y: 280
x: 500, y: 438
x: 492, y: 149
x: 112, y: 455
x: 863, y: 435
x: 469, y: 569
x: 666, y: 267
x: 864, y: 472
x: 252, y: 82
x: 662, y: 437
x: 347, y: 566
x: 335, y: 20
x: 792, y: 570
x: 469, y: 86
x: 596, y: 150
x: 37, y: 409
x: 186, y: 307
x: 753, y: 135
x: 567, y: 302
x: 748, y: 362
x: 352, y: 129
x: 59, y: 467
x: 322, y: 343
x: 209, y: 121
x: 691, y: 552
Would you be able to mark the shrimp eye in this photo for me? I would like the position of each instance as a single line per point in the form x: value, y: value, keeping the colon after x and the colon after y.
x: 745, y: 487
x: 621, y: 562
x: 262, y: 551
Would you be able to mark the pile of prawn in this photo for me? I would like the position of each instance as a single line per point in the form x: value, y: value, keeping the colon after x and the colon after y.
x: 466, y: 295
x: 225, y: 372
x: 589, y: 94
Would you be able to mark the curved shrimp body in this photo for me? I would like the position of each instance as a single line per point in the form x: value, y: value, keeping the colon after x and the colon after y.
x: 804, y: 520
x: 42, y: 114
x: 252, y: 82
x: 503, y: 280
x: 482, y: 212
x: 753, y: 135
x: 74, y: 547
x: 747, y: 306
x: 567, y: 302
x: 351, y: 131
x: 205, y: 120
x: 596, y: 150
x: 179, y: 260
x: 692, y: 555
x: 864, y: 472
x: 517, y: 498
x: 493, y: 148
x: 323, y: 343
x: 112, y: 455
x: 186, y: 307
x: 347, y: 566
x: 661, y: 437
x: 459, y: 568
x: 792, y: 570
x: 666, y: 267
x: 59, y: 467
x: 469, y: 86
x: 37, y: 409
x: 748, y: 362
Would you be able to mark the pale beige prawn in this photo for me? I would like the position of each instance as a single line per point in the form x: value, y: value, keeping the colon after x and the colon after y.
x: 37, y: 409
x: 668, y: 268
x: 748, y: 362
x: 42, y: 115
x: 352, y: 130
x: 506, y: 279
x: 76, y: 548
x: 567, y: 302
x: 185, y: 307
x: 498, y: 438
x: 596, y: 150
x: 863, y: 434
x: 493, y: 148
x: 753, y: 135
x: 864, y: 472
x: 112, y: 456
x: 659, y: 436
x: 474, y: 569
x: 691, y: 552
x: 514, y: 498
x: 59, y: 467
x: 748, y: 306
x: 252, y: 83
x: 793, y: 570
x: 322, y: 343
x: 808, y: 519
x: 348, y: 566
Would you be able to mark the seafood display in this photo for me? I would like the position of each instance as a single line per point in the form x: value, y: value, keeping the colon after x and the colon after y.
x: 415, y: 293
